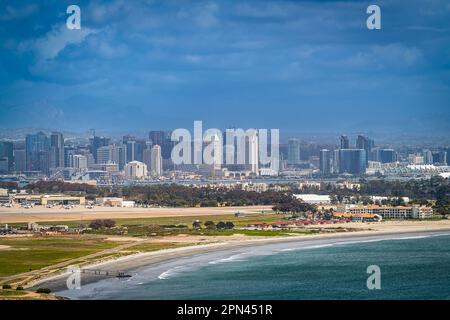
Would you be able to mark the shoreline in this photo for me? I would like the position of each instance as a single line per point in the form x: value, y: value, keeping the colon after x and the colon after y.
x: 154, y: 259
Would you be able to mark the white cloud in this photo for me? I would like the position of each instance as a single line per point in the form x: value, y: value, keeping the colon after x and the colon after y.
x: 385, y: 56
x: 49, y: 46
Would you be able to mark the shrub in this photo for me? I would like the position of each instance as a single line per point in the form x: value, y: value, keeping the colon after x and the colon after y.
x: 102, y: 223
x: 229, y: 225
x: 6, y: 286
x: 19, y: 288
x: 196, y: 224
x: 210, y: 225
x: 221, y: 225
x: 43, y: 290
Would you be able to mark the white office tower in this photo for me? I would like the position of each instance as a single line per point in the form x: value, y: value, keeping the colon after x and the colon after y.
x: 119, y: 155
x: 156, y: 161
x: 135, y: 170
x: 78, y: 162
x: 253, y: 152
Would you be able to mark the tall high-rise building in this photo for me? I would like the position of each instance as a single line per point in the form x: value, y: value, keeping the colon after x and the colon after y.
x: 130, y: 144
x: 156, y: 167
x: 4, y: 165
x: 325, y: 162
x: 119, y: 155
x: 387, y: 155
x: 335, y: 161
x: 37, y: 152
x: 157, y: 137
x: 7, y: 153
x: 78, y: 162
x: 162, y: 138
x: 97, y: 142
x: 439, y: 157
x: 427, y: 156
x: 139, y: 150
x: 345, y: 142
x: 147, y: 158
x: 56, y: 150
x: 352, y: 161
x: 365, y: 143
x: 68, y: 151
x: 135, y: 148
x: 20, y: 163
x: 293, y: 151
x: 104, y: 155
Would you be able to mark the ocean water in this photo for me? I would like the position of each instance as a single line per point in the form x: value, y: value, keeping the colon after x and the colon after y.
x: 412, y: 267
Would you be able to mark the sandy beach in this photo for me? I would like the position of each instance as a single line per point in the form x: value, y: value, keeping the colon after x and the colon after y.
x: 373, y: 232
x: 193, y: 245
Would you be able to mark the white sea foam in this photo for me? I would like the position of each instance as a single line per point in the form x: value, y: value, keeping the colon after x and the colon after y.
x: 235, y: 257
x: 169, y: 273
x: 307, y: 247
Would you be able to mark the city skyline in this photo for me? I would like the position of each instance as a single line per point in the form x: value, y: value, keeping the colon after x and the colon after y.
x: 165, y: 153
x: 217, y: 150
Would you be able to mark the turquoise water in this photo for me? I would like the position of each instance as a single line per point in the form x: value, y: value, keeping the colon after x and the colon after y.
x: 414, y: 268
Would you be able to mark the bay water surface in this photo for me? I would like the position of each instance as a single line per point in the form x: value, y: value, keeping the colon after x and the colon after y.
x: 412, y: 267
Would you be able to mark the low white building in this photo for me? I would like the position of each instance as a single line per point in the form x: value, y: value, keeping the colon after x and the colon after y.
x: 379, y: 198
x: 109, y: 201
x: 135, y: 170
x: 314, y: 198
x: 128, y: 204
x: 445, y: 175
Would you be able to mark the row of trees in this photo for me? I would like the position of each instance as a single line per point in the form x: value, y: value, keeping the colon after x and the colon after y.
x: 184, y: 196
x: 294, y: 206
x: 102, y: 224
x: 62, y: 187
x: 211, y: 225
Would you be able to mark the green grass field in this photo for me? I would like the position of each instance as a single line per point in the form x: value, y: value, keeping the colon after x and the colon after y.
x: 27, y: 254
x: 33, y: 253
x: 186, y: 220
x: 144, y: 227
x: 11, y: 293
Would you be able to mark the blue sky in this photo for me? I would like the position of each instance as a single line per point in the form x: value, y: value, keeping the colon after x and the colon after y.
x: 301, y: 66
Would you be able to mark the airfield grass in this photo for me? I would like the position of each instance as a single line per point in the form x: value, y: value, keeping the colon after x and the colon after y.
x: 163, y: 226
x: 33, y: 253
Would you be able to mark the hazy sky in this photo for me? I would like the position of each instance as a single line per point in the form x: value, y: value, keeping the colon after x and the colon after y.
x: 306, y: 66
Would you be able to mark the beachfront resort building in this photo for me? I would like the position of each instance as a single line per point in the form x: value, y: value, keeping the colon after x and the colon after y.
x: 390, y: 212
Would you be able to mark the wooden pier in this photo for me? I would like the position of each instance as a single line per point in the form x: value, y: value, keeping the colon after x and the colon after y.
x: 105, y: 273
